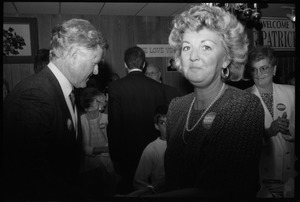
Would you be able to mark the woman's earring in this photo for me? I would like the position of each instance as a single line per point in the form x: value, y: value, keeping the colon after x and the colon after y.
x: 225, y: 73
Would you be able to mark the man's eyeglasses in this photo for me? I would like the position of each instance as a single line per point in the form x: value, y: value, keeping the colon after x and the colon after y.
x: 263, y: 69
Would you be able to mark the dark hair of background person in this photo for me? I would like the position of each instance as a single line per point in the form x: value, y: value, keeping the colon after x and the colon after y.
x: 134, y: 57
x: 103, y: 78
x: 160, y: 111
x: 6, y: 85
x: 41, y: 60
x: 88, y: 95
x: 261, y: 52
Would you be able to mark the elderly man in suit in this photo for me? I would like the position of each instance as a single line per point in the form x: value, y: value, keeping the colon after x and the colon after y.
x: 132, y: 101
x: 154, y: 72
x: 41, y: 126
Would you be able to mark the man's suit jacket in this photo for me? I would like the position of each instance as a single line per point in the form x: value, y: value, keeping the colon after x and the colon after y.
x: 171, y: 92
x: 41, y: 151
x: 132, y: 101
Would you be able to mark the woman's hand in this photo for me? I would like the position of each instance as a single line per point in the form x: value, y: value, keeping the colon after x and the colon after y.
x: 281, y: 124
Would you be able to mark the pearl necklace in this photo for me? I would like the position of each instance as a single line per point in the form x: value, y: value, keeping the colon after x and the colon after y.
x: 190, y: 109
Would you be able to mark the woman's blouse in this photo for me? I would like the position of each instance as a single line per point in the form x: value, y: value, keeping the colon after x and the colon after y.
x: 222, y: 152
x: 94, y: 132
x: 268, y: 100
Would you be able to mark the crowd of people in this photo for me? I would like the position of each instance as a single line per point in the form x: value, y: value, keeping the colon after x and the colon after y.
x: 67, y: 137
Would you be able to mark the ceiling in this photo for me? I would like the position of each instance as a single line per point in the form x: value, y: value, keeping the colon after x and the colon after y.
x: 94, y: 8
x: 120, y: 8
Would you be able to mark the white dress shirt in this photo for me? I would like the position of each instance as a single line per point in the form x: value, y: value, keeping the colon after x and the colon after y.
x: 67, y: 88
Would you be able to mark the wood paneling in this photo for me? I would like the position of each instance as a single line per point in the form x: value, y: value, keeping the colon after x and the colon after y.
x: 121, y: 33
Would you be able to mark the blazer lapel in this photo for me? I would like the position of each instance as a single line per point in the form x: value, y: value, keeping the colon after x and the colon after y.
x: 268, y: 116
x: 58, y: 93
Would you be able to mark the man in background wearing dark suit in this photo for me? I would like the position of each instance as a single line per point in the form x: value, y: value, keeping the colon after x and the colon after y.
x: 132, y: 101
x: 154, y: 72
x: 41, y: 144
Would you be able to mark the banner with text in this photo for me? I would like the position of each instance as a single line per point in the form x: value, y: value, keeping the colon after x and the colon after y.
x: 157, y: 50
x: 279, y: 33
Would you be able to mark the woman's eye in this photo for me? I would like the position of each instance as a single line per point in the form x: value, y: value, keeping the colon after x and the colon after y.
x: 205, y: 47
x: 185, y: 48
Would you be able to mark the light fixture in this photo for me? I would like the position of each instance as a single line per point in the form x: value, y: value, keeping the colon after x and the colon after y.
x: 256, y: 15
x: 249, y: 14
x: 291, y: 15
x: 243, y: 11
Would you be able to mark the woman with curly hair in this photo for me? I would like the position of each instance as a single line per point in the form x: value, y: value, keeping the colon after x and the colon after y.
x: 214, y: 135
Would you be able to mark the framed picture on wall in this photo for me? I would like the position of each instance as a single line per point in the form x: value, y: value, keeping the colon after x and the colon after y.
x: 171, y: 65
x: 20, y: 40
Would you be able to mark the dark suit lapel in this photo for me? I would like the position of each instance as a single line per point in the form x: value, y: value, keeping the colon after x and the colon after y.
x: 58, y: 91
x: 58, y: 94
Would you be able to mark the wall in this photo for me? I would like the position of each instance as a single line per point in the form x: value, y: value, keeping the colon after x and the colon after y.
x: 123, y: 32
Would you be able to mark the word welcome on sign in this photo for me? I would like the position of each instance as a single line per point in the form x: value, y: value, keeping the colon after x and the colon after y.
x: 279, y: 33
x: 157, y: 50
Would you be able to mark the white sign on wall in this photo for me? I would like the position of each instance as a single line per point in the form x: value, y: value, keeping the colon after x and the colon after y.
x: 279, y: 33
x: 157, y: 50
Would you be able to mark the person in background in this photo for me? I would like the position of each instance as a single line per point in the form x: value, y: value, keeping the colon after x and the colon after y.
x: 5, y: 89
x: 277, y: 165
x: 291, y: 79
x: 131, y: 104
x: 41, y: 60
x: 42, y: 133
x: 243, y: 83
x: 95, y: 145
x: 214, y: 135
x: 171, y: 67
x: 154, y: 72
x: 150, y: 175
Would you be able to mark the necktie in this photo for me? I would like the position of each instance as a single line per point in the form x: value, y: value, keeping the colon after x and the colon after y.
x: 72, y: 98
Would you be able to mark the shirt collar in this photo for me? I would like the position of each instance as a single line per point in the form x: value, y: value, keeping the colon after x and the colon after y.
x: 134, y: 70
x: 64, y: 83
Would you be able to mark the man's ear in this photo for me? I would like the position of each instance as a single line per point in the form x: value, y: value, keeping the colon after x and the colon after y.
x: 144, y: 65
x: 73, y: 55
x: 156, y: 126
x: 159, y: 73
x: 125, y: 65
x: 74, y: 52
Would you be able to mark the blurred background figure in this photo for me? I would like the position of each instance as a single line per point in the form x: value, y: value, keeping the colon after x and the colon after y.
x: 277, y: 166
x: 5, y: 88
x: 150, y: 174
x: 153, y: 72
x: 171, y: 66
x: 131, y: 104
x: 41, y: 60
x: 291, y: 79
x: 96, y: 163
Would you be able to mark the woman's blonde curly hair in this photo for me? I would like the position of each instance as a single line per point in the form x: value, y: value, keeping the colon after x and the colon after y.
x: 216, y: 19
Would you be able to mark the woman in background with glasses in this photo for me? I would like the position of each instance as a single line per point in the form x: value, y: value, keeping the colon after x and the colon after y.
x: 277, y: 167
